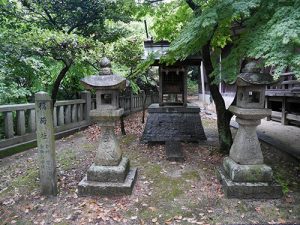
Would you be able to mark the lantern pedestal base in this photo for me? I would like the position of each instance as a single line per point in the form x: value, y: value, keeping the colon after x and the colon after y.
x: 94, y: 188
x: 248, y: 190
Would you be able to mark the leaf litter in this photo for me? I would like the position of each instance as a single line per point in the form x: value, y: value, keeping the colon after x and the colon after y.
x: 165, y: 192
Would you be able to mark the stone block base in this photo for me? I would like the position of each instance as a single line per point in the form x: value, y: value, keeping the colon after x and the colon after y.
x: 93, y: 188
x: 247, y: 190
x: 173, y: 123
x: 247, y: 173
x: 109, y: 173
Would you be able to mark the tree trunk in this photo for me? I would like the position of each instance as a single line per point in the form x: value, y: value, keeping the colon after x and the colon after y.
x: 144, y: 108
x: 58, y: 80
x: 223, y: 115
x: 122, y: 125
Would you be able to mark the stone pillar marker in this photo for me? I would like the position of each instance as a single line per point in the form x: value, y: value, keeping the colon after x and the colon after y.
x: 244, y: 174
x: 46, y: 144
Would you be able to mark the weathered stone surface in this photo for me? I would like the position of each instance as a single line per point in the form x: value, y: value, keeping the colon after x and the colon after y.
x: 249, y: 114
x: 87, y: 188
x: 8, y: 124
x: 108, y: 152
x: 247, y: 173
x: 103, y: 116
x: 246, y: 149
x: 174, y: 151
x: 109, y: 173
x: 46, y: 144
x: 107, y: 81
x: 173, y: 123
x: 247, y: 190
x: 155, y: 108
x: 244, y: 174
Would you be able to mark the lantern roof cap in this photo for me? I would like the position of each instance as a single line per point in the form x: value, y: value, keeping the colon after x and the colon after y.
x: 105, y: 79
x: 104, y: 82
x: 252, y: 75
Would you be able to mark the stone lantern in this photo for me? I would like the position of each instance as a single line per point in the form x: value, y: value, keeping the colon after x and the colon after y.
x: 244, y: 174
x: 110, y: 174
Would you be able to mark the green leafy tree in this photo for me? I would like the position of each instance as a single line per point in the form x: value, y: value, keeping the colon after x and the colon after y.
x: 267, y: 30
x: 67, y: 32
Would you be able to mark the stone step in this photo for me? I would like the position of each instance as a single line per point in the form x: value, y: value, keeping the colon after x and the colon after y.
x: 116, y: 174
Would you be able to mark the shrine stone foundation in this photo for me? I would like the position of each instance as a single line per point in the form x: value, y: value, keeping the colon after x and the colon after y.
x: 173, y: 123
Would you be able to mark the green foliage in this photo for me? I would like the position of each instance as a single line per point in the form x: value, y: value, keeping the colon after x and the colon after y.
x: 41, y: 38
x: 127, y: 52
x: 141, y: 72
x: 267, y: 30
x: 192, y: 87
x: 169, y: 19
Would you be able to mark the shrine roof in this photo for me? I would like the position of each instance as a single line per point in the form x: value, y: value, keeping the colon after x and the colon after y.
x: 160, y: 49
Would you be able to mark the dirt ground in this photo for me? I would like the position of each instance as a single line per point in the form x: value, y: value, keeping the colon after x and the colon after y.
x: 165, y: 192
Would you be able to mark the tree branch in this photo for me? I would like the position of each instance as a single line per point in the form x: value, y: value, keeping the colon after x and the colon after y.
x: 192, y: 5
x: 58, y: 80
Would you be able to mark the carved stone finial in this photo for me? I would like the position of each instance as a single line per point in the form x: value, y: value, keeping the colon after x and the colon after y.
x: 105, y: 66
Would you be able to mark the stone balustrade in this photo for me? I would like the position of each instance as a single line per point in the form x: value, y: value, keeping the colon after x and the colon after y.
x: 19, y: 131
x: 69, y: 116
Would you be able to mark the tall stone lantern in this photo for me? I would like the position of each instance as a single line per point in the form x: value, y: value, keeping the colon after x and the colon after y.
x: 243, y: 173
x: 110, y: 174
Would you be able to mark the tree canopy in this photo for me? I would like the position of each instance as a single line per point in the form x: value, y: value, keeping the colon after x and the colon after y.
x: 268, y: 30
x: 42, y: 41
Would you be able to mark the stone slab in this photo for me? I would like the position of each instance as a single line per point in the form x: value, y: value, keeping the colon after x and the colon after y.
x: 247, y: 173
x: 156, y: 108
x: 106, y: 114
x: 112, y: 81
x: 174, y: 151
x: 182, y: 124
x: 247, y: 190
x: 92, y: 188
x: 109, y: 173
x: 249, y: 114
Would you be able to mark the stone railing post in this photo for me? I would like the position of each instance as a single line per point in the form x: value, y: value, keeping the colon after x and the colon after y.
x: 31, y: 122
x: 131, y: 102
x: 68, y: 114
x: 74, y: 113
x: 9, y: 124
x: 61, y: 115
x: 46, y: 144
x: 21, y: 122
x: 86, y: 95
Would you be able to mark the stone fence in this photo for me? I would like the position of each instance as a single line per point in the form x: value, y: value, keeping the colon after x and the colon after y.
x: 69, y: 116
